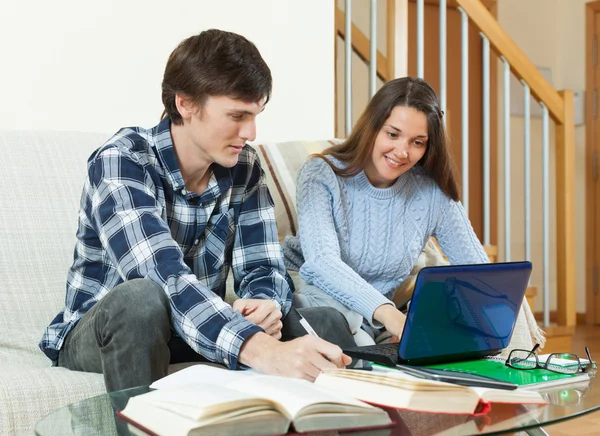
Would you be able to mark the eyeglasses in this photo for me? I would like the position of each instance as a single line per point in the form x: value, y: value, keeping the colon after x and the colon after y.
x: 564, y: 363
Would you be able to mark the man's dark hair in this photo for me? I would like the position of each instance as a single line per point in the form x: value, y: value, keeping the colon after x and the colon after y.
x: 214, y: 63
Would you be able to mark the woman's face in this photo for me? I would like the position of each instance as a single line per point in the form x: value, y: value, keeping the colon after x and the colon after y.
x: 399, y: 145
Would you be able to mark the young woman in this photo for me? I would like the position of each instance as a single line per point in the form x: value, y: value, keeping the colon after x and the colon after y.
x: 368, y: 206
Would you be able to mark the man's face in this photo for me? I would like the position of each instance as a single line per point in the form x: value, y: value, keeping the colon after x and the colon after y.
x: 219, y: 129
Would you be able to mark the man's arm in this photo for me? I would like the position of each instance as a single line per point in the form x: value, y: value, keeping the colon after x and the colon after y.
x: 127, y: 216
x: 257, y: 259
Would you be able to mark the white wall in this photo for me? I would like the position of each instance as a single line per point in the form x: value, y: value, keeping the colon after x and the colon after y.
x: 98, y: 66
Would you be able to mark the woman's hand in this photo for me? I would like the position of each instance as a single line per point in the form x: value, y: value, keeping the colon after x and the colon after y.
x: 392, y: 319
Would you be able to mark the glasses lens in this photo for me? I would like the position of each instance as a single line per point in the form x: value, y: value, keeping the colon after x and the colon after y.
x: 566, y: 363
x: 522, y: 359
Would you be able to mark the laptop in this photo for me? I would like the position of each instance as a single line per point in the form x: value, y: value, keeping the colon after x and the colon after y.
x: 457, y: 312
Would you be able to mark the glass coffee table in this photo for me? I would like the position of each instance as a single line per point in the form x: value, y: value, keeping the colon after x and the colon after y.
x: 96, y: 415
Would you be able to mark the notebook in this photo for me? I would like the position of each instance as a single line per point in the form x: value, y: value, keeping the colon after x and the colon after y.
x: 458, y: 312
x: 526, y: 379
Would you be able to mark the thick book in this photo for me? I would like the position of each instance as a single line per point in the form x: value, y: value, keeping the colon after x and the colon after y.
x: 531, y: 379
x: 393, y: 388
x: 218, y: 401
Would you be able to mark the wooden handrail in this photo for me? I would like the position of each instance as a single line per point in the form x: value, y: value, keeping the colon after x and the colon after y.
x: 520, y: 64
x: 454, y: 3
x: 360, y: 44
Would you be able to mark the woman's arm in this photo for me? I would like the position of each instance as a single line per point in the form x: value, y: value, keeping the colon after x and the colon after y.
x: 455, y: 234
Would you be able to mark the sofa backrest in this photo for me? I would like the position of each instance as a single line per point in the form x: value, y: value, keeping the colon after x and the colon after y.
x: 41, y: 177
x: 281, y: 162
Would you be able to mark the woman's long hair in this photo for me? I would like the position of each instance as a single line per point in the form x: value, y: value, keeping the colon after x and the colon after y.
x: 410, y: 92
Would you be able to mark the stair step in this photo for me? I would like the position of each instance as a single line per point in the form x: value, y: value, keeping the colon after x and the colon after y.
x: 559, y: 339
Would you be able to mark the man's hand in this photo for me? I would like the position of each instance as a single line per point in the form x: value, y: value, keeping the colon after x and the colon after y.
x: 392, y: 319
x: 263, y: 313
x: 304, y: 357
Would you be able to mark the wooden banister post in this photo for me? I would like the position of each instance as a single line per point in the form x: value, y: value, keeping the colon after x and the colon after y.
x: 565, y: 213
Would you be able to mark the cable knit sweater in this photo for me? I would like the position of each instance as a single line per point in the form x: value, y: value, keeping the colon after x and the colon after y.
x: 357, y: 242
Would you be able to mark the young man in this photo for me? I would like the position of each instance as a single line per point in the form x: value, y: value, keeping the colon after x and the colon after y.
x: 165, y: 213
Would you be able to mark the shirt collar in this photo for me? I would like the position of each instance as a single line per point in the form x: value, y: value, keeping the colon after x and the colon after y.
x: 220, y: 182
x: 166, y: 153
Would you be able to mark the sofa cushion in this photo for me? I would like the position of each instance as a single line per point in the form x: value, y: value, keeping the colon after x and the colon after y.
x: 42, y: 174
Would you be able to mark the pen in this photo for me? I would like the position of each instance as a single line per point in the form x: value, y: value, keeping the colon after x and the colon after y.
x: 305, y: 324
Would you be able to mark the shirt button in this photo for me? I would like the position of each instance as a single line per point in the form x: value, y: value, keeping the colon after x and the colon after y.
x: 413, y: 209
x: 225, y: 361
x: 184, y: 191
x: 196, y: 241
x: 418, y: 218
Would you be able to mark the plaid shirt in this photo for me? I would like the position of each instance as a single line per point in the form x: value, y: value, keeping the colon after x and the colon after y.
x: 137, y: 220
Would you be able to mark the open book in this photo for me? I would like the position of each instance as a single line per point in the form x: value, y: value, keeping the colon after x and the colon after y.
x: 396, y: 389
x: 207, y: 400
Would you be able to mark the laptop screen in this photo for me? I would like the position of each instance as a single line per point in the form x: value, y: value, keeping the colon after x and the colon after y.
x: 463, y: 309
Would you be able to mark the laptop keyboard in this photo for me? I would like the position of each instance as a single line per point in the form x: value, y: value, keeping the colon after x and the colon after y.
x: 386, y: 354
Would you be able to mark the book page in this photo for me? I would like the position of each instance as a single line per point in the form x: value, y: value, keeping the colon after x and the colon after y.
x: 305, y: 396
x: 505, y: 396
x: 202, y: 402
x: 397, y: 393
x: 201, y: 373
x: 396, y: 378
x: 277, y: 389
x: 162, y: 412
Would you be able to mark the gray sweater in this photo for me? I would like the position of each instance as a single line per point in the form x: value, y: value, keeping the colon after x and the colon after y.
x: 358, y: 243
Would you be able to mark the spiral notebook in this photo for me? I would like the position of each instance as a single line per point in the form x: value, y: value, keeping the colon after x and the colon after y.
x: 527, y: 379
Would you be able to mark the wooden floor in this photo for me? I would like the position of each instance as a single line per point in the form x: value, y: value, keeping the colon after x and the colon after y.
x: 585, y: 336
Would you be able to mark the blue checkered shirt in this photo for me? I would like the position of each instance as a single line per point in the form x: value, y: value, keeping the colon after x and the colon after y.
x: 137, y: 220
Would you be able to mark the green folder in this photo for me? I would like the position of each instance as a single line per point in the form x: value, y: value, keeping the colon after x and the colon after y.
x: 496, y: 368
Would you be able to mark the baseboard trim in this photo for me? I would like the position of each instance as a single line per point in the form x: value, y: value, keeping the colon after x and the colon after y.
x: 580, y: 317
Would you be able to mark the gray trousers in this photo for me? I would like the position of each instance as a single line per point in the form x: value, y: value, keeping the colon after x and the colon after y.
x: 128, y: 337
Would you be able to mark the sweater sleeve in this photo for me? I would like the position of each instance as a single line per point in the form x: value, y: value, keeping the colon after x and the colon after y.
x: 455, y: 234
x: 318, y: 195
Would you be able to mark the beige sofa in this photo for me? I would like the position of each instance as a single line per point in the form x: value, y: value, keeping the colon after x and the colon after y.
x: 41, y: 175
